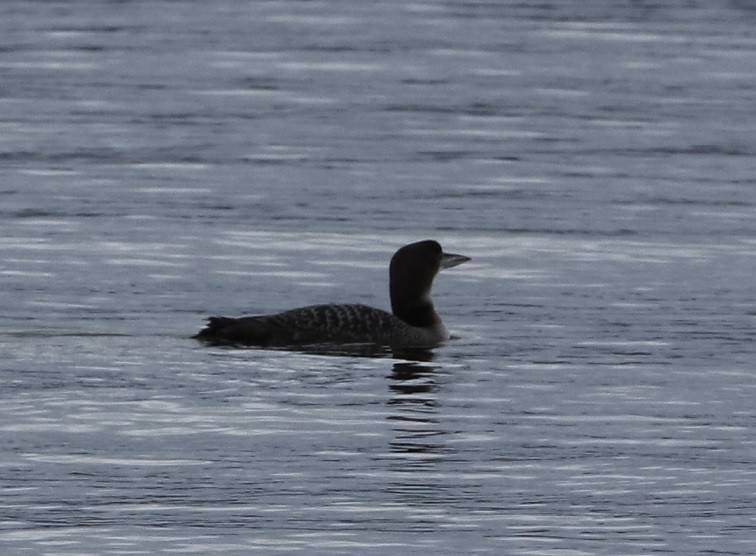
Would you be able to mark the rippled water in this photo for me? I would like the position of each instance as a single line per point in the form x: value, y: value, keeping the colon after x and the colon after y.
x: 163, y: 161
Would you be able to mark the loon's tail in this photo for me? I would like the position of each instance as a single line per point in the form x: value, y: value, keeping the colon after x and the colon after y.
x: 251, y: 331
x: 213, y: 326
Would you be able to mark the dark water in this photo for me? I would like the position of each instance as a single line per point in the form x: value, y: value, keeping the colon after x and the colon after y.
x: 162, y: 161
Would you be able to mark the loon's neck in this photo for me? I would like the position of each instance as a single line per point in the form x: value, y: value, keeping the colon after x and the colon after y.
x: 422, y: 314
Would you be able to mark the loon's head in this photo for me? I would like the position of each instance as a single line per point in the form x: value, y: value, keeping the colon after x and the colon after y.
x: 411, y: 274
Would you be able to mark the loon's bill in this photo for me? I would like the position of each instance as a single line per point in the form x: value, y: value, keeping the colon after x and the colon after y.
x: 449, y: 260
x: 413, y: 322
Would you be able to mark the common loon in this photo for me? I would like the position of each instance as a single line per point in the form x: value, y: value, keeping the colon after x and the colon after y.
x: 413, y: 324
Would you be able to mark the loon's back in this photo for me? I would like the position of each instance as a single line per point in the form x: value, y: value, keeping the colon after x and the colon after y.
x: 316, y: 324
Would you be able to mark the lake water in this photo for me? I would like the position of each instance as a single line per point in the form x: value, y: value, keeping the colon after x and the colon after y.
x: 163, y: 161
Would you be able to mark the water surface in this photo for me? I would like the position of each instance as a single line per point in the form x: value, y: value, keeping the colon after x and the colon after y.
x: 164, y: 161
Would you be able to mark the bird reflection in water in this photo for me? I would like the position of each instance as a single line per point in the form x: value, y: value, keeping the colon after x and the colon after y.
x: 416, y: 425
x: 418, y: 437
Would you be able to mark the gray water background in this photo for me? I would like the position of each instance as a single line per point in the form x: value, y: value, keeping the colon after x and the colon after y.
x: 162, y: 161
